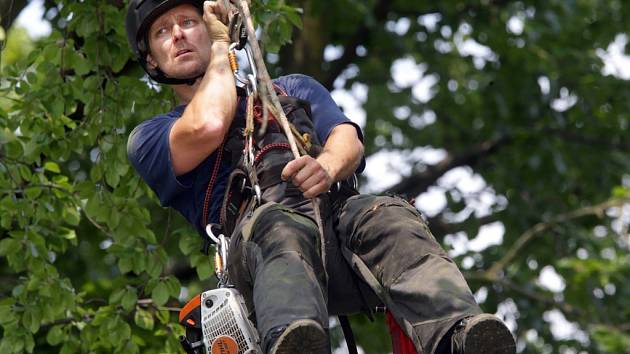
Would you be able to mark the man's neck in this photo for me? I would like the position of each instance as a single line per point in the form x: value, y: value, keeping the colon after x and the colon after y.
x: 186, y: 92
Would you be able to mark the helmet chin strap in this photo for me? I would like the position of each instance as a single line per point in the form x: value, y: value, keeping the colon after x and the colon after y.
x: 192, y: 80
x: 159, y: 76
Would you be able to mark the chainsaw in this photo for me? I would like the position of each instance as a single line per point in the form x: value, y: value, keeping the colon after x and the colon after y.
x: 217, y: 320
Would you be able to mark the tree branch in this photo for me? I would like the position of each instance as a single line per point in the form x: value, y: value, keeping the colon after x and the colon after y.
x: 549, y: 301
x: 419, y: 182
x: 439, y: 228
x: 530, y: 293
x: 494, y: 272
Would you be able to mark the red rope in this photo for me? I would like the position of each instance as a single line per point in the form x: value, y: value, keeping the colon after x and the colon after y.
x: 268, y: 148
x: 213, y: 180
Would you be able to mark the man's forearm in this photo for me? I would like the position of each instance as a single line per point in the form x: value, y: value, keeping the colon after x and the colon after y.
x: 342, y: 152
x: 215, y: 99
x: 208, y: 116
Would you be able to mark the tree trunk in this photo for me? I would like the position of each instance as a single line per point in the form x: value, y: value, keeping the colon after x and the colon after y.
x: 9, y: 10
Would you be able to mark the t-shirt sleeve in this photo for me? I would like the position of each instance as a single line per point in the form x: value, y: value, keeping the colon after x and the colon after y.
x: 326, y: 113
x: 149, y: 153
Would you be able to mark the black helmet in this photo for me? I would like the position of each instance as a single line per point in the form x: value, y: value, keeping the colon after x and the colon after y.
x: 140, y: 16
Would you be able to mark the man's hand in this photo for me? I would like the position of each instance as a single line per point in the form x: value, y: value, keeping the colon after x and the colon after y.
x: 216, y: 17
x: 309, y: 175
x: 341, y: 157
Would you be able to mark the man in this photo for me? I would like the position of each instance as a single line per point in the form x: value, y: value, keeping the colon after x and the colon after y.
x: 377, y: 249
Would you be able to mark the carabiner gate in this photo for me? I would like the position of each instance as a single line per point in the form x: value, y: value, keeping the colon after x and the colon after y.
x: 249, y: 79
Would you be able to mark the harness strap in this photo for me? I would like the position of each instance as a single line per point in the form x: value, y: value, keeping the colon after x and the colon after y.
x: 348, y: 334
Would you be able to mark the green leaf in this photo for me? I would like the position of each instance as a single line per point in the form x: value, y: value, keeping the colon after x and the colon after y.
x: 72, y: 216
x: 69, y: 347
x: 163, y: 315
x: 160, y: 294
x: 6, y: 345
x: 114, y: 218
x: 154, y: 268
x: 57, y: 107
x: 30, y: 319
x: 6, y: 136
x: 14, y: 149
x: 189, y: 243
x: 7, y: 316
x: 117, y: 295
x: 125, y: 264
x: 204, y: 270
x: 29, y: 343
x: 295, y: 18
x: 620, y: 192
x: 96, y: 209
x: 81, y: 65
x: 9, y: 246
x: 139, y: 262
x: 143, y: 319
x: 130, y: 347
x: 112, y: 177
x: 52, y: 167
x: 129, y: 299
x: 69, y: 234
x: 25, y: 172
x: 173, y: 286
x: 56, y: 335
x: 33, y: 192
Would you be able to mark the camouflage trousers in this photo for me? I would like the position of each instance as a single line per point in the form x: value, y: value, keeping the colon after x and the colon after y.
x: 378, y: 251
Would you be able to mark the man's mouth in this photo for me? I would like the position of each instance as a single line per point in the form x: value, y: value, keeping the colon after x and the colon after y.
x: 182, y: 52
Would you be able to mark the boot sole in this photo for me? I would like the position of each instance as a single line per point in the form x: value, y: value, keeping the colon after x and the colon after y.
x: 488, y: 335
x: 303, y: 337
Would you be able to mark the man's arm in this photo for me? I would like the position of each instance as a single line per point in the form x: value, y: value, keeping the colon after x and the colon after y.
x: 209, y: 114
x: 341, y: 156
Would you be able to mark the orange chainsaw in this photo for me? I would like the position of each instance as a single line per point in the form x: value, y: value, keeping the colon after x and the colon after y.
x: 217, y: 321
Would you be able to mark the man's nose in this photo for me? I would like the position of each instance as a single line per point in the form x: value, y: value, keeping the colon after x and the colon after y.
x: 177, y: 33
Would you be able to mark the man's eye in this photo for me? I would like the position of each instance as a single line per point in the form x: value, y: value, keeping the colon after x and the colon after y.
x: 160, y: 31
x: 188, y: 22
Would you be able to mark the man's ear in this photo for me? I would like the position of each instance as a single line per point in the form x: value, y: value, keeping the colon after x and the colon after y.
x: 151, y: 63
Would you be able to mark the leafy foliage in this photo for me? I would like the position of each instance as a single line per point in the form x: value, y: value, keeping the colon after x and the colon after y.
x: 516, y: 94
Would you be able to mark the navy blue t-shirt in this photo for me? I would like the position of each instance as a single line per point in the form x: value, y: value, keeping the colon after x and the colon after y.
x: 149, y: 152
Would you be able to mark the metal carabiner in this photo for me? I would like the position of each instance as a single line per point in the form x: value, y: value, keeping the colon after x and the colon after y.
x: 248, y: 80
x: 253, y: 76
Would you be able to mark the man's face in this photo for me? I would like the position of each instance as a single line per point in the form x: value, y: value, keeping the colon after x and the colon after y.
x: 179, y: 43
